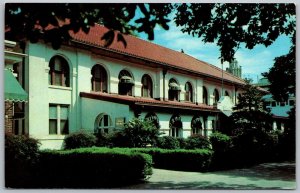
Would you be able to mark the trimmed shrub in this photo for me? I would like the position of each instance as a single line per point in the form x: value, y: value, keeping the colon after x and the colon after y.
x: 167, y: 142
x: 220, y: 142
x: 21, y: 156
x: 182, y: 160
x: 79, y: 139
x: 92, y: 168
x: 197, y: 142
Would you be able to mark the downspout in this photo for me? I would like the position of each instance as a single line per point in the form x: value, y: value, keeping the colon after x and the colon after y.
x: 164, y: 83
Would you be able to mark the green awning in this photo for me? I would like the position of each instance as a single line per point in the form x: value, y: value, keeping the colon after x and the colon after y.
x: 127, y: 80
x: 13, y: 91
x: 174, y: 86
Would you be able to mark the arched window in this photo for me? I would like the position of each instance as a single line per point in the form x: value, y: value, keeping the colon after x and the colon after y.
x: 103, y: 123
x: 174, y: 90
x: 125, y: 83
x: 196, y: 125
x: 147, y: 86
x: 204, y: 96
x: 59, y: 73
x: 175, y: 126
x: 216, y: 96
x: 226, y: 93
x: 188, y: 92
x: 153, y: 118
x: 99, y: 79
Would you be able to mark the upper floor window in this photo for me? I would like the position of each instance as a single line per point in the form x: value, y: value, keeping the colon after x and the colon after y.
x: 204, y: 96
x: 174, y: 90
x: 125, y: 83
x: 147, y: 90
x: 99, y: 79
x: 216, y: 96
x: 188, y: 92
x: 59, y: 73
x: 226, y: 93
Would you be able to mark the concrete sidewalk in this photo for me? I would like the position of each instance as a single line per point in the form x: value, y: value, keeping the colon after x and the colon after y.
x: 263, y: 176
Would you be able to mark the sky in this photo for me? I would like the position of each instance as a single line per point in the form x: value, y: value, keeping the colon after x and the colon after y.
x: 254, y: 62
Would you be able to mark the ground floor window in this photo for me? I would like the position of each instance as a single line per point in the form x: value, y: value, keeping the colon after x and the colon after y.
x: 58, y: 119
x: 175, y: 126
x: 153, y: 118
x: 196, y: 125
x: 103, y: 123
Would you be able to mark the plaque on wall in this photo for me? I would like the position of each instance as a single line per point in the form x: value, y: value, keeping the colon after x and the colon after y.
x: 120, y: 121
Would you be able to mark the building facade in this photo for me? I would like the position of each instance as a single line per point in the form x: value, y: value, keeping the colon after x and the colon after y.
x: 278, y: 109
x: 85, y: 85
x: 14, y: 94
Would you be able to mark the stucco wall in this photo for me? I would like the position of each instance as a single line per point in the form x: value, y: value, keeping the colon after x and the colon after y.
x: 83, y: 111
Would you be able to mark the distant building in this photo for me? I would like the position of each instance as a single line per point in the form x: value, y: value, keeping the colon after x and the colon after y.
x: 279, y: 110
x: 235, y: 69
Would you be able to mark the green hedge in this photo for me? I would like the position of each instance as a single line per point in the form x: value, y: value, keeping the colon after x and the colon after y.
x: 184, y: 160
x: 92, y: 168
x: 86, y: 168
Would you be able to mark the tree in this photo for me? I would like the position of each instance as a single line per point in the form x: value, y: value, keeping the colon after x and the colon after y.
x: 140, y: 132
x: 249, y: 115
x: 285, y: 68
x: 232, y: 24
x: 52, y: 22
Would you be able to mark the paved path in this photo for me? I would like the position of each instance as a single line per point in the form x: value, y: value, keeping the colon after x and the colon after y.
x: 263, y: 176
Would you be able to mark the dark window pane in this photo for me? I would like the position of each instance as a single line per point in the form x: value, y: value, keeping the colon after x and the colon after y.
x: 105, y: 120
x: 52, y: 126
x: 58, y: 79
x: 64, y: 128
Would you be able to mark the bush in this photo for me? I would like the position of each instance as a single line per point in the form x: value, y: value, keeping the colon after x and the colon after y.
x: 183, y: 160
x: 21, y: 156
x: 92, y: 168
x: 167, y: 142
x: 140, y: 132
x: 79, y: 139
x: 182, y: 143
x: 104, y: 139
x: 197, y: 142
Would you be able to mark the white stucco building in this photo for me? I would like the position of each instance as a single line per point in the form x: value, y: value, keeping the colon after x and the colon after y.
x: 85, y: 85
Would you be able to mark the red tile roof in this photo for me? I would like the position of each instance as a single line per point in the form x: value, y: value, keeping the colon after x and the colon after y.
x: 153, y: 52
x: 147, y: 101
